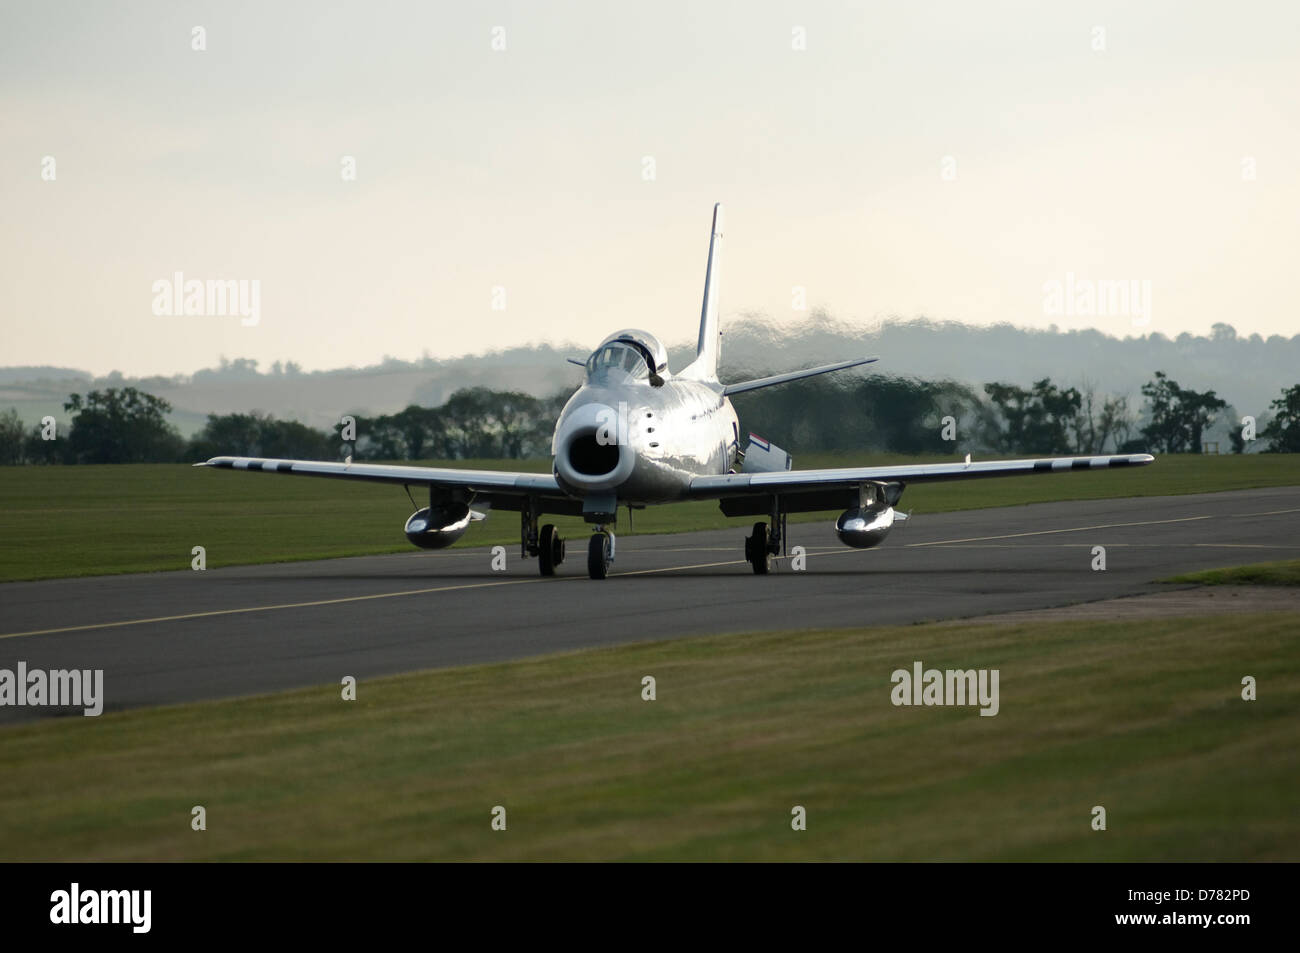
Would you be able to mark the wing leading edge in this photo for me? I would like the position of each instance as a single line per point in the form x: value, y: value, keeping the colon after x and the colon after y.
x: 815, y: 483
x: 504, y: 489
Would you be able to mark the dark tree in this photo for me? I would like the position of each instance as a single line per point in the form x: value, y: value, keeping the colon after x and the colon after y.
x: 1283, y: 431
x: 1038, y: 420
x: 13, y: 438
x: 1177, y: 416
x: 36, y: 449
x: 377, y: 438
x: 121, y: 426
x: 515, y: 422
x: 259, y: 435
x: 467, y: 415
x: 234, y: 435
x: 289, y: 439
x: 421, y: 430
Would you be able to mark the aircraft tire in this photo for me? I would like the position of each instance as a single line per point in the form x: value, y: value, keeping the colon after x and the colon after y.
x: 548, y: 545
x: 598, y: 556
x: 756, y: 550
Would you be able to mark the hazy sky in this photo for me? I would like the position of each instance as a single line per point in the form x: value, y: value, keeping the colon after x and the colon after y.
x: 524, y: 169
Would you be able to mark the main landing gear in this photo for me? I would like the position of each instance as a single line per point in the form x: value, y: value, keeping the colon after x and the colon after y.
x: 600, y: 553
x: 550, y: 550
x: 765, y: 544
x: 546, y: 545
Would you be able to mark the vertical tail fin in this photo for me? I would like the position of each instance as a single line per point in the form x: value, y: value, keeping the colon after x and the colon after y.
x: 705, y: 365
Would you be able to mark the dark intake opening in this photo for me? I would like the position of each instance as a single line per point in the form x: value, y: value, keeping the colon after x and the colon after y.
x: 591, y: 458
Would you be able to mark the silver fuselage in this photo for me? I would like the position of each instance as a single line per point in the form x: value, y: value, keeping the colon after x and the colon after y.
x: 620, y: 434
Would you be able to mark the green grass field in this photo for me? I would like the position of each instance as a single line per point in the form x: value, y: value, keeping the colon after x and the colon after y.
x: 744, y: 728
x: 87, y: 520
x: 1283, y: 573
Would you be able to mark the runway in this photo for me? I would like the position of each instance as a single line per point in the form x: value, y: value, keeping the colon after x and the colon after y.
x: 163, y: 638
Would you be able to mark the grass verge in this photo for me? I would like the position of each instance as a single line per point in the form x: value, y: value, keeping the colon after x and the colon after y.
x: 1283, y: 573
x: 744, y: 728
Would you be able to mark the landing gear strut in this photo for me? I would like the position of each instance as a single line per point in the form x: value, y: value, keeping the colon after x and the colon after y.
x: 600, y: 553
x: 766, y: 543
x: 546, y: 545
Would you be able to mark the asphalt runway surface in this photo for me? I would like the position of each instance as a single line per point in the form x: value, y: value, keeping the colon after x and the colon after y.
x: 181, y: 636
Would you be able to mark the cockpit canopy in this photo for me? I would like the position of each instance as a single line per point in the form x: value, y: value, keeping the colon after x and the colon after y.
x: 637, y: 354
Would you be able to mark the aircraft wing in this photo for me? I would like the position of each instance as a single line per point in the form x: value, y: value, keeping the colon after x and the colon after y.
x: 807, y: 490
x: 503, y: 489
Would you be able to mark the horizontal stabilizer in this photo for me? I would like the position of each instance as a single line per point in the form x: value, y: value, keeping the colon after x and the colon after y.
x: 742, y: 386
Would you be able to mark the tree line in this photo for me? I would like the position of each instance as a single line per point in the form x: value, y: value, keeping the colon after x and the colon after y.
x: 907, y: 415
x: 127, y: 425
x: 876, y: 413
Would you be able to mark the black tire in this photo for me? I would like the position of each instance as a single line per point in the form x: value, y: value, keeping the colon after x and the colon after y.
x: 756, y: 550
x: 546, y: 547
x: 598, y: 556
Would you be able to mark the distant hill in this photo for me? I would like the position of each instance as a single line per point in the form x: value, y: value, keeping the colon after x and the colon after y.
x: 1247, y: 372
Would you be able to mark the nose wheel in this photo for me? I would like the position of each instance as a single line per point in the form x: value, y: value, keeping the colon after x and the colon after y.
x: 600, y: 553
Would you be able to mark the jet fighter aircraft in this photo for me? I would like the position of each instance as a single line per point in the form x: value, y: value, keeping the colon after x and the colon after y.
x: 636, y: 434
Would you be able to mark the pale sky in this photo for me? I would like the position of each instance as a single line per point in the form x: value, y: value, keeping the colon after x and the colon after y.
x: 523, y: 168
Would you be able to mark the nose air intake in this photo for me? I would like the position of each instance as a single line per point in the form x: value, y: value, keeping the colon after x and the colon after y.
x: 591, y: 453
x: 591, y: 458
